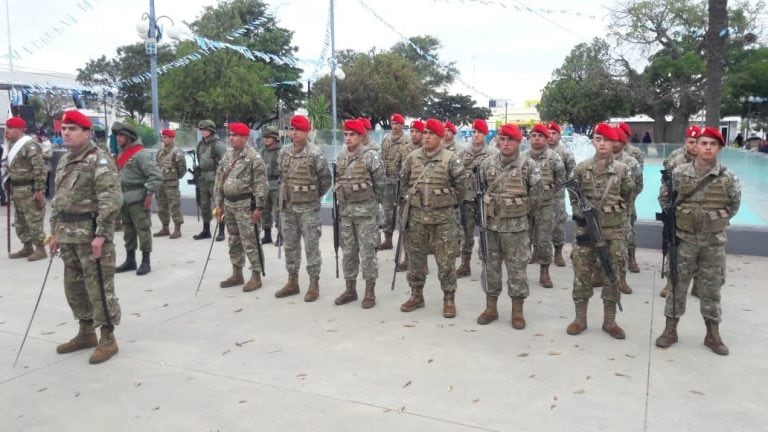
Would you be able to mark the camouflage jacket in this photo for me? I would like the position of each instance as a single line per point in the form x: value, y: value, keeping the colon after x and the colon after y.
x: 172, y: 163
x: 299, y: 170
x: 363, y: 167
x: 470, y: 160
x: 391, y: 155
x: 450, y: 178
x: 678, y: 157
x: 636, y: 153
x: 635, y: 171
x: 551, y: 171
x: 593, y: 176
x: 569, y: 161
x: 87, y: 194
x: 369, y: 144
x: 241, y: 178
x: 209, y: 154
x: 450, y: 146
x: 515, y: 183
x: 139, y: 176
x: 27, y: 169
x: 271, y: 159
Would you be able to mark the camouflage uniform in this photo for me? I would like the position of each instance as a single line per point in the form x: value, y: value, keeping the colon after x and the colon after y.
x: 678, y: 157
x: 638, y: 155
x: 370, y: 144
x: 139, y: 177
x: 451, y: 146
x: 561, y: 215
x: 86, y: 205
x: 470, y: 160
x: 392, y: 158
x: 240, y: 187
x: 270, y: 158
x: 552, y: 171
x: 27, y: 176
x: 636, y: 173
x: 173, y: 165
x: 209, y: 153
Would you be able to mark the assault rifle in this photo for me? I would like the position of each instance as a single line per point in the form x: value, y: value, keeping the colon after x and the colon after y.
x: 196, y: 172
x: 587, y: 218
x: 258, y: 243
x: 335, y: 215
x: 480, y: 220
x: 279, y: 217
x: 394, y: 207
x: 404, y: 219
x: 668, y: 217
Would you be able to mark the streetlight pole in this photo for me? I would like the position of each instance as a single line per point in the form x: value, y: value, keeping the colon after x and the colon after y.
x: 333, y: 77
x: 151, y: 48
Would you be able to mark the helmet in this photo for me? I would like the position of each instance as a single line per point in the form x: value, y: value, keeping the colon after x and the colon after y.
x: 125, y: 129
x: 207, y: 124
x: 268, y: 132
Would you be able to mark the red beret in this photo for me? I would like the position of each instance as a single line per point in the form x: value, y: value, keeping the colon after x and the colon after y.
x: 418, y: 125
x: 481, y: 126
x: 711, y: 132
x: 450, y: 126
x: 625, y: 128
x: 366, y: 123
x: 76, y: 117
x: 620, y: 136
x: 540, y: 128
x: 301, y: 123
x: 554, y: 126
x: 606, y: 131
x: 693, y: 132
x: 435, y: 126
x: 15, y: 123
x: 397, y: 118
x: 169, y: 133
x: 511, y: 131
x: 355, y: 126
x: 241, y: 129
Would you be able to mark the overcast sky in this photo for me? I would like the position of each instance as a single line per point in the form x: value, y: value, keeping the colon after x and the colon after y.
x: 501, y: 51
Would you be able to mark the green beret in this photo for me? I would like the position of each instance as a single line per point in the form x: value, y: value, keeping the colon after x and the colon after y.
x: 125, y: 129
x: 207, y: 124
x: 268, y: 132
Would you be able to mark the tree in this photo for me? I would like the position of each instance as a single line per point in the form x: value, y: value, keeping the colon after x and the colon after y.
x: 49, y: 106
x: 459, y: 109
x: 433, y: 74
x: 715, y: 49
x: 744, y: 79
x: 318, y: 112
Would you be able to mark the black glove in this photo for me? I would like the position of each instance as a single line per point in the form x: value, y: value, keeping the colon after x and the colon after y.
x: 579, y: 219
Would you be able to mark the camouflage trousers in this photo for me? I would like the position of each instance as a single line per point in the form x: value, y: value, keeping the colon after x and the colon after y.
x: 540, y: 226
x: 136, y: 224
x: 206, y: 195
x: 513, y: 250
x: 298, y: 225
x: 359, y: 237
x: 703, y: 255
x: 270, y: 206
x: 28, y: 219
x: 585, y: 262
x: 439, y: 239
x: 169, y: 203
x: 631, y: 241
x: 387, y: 204
x: 243, y: 236
x: 558, y: 232
x: 81, y: 282
x: 468, y: 228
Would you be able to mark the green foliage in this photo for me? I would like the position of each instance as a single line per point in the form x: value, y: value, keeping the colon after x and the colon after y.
x: 319, y: 114
x: 745, y: 78
x: 459, y: 109
x: 146, y: 133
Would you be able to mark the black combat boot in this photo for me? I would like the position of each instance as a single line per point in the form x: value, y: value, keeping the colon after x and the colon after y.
x: 205, y: 233
x: 129, y: 263
x: 267, y: 239
x: 144, y: 268
x: 220, y: 235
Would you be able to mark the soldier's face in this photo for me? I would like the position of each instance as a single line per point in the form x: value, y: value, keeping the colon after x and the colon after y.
x: 13, y: 134
x: 416, y: 136
x: 297, y: 136
x: 554, y: 137
x: 431, y: 141
x: 237, y: 141
x: 707, y: 149
x: 538, y: 140
x: 74, y: 136
x: 617, y: 146
x: 167, y: 141
x: 269, y: 141
x: 690, y: 146
x: 206, y: 133
x: 122, y: 140
x: 448, y: 135
x: 603, y: 147
x: 507, y: 145
x: 397, y: 128
x: 352, y: 140
x: 478, y: 138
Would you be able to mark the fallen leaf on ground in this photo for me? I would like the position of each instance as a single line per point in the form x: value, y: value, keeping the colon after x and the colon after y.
x: 619, y: 374
x: 470, y: 330
x: 274, y: 351
x: 57, y: 325
x: 45, y: 333
x: 402, y: 408
x: 301, y: 376
x: 386, y: 410
x: 698, y: 392
x: 137, y: 384
x: 239, y: 310
x: 77, y: 394
x: 331, y: 330
x: 524, y: 354
x: 243, y: 342
x: 611, y: 358
x: 450, y: 388
x: 42, y: 389
x: 554, y: 353
x: 430, y: 361
x: 476, y: 401
x: 226, y: 352
x: 407, y: 384
x: 155, y: 408
x: 538, y: 334
x: 242, y: 401
x: 552, y: 406
x: 408, y: 325
x: 531, y: 375
x: 630, y: 355
x: 580, y: 391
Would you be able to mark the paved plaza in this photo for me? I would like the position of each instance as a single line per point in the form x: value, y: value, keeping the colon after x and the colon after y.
x: 230, y: 361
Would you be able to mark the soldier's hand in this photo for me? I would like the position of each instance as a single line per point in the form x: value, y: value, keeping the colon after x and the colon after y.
x: 96, y: 245
x: 218, y: 213
x: 256, y: 216
x: 147, y: 202
x: 39, y: 203
x: 53, y: 244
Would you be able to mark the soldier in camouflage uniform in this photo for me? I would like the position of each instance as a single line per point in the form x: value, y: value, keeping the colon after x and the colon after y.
x: 636, y: 172
x: 83, y: 213
x: 640, y: 158
x: 305, y: 180
x: 436, y: 182
x: 367, y: 141
x: 512, y: 188
x: 607, y: 185
x: 558, y: 233
x: 709, y: 195
x: 209, y: 150
x: 139, y: 179
x: 359, y: 181
x: 417, y: 136
x: 270, y: 154
x: 542, y: 218
x: 393, y: 159
x: 239, y: 194
x: 471, y: 158
x: 173, y: 164
x: 26, y: 179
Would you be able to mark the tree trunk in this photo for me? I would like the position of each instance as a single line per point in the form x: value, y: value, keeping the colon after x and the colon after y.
x: 715, y: 47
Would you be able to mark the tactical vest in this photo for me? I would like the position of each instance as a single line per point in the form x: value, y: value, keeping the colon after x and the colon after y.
x: 706, y: 211
x: 299, y: 177
x: 167, y: 164
x: 470, y: 160
x: 354, y: 183
x: 506, y: 196
x: 430, y: 183
x: 613, y: 209
x: 208, y: 157
x: 390, y: 150
x: 547, y: 179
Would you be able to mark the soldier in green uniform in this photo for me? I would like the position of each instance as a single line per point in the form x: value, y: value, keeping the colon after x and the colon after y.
x: 209, y: 150
x: 708, y: 196
x: 83, y: 213
x: 173, y: 165
x: 472, y: 157
x: 359, y: 181
x: 393, y: 160
x: 270, y: 154
x: 636, y: 172
x: 607, y: 185
x: 512, y: 189
x: 139, y: 179
x: 436, y: 182
x: 449, y: 139
x: 305, y: 180
x: 239, y: 194
x: 542, y: 218
x: 640, y: 158
x: 27, y: 175
x: 417, y: 136
x: 558, y: 233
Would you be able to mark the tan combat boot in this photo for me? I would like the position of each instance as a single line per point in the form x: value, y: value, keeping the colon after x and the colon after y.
x: 623, y: 287
x: 107, y: 346
x: 39, y: 253
x: 387, y: 243
x: 314, y: 289
x: 632, y: 262
x: 449, y: 307
x: 464, y: 269
x: 669, y: 336
x: 518, y: 320
x: 667, y: 288
x: 176, y: 231
x: 85, y: 338
x: 369, y: 300
x: 235, y: 279
x: 695, y: 287
x: 609, y: 320
x: 349, y: 295
x: 558, y: 257
x: 415, y: 301
x: 544, y: 278
x: 534, y: 255
x: 163, y: 232
x: 580, y: 323
x: 712, y: 340
x: 290, y: 288
x: 24, y: 252
x: 254, y: 283
x: 491, y: 312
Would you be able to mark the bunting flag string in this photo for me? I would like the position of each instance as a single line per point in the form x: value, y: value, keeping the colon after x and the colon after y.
x: 521, y: 7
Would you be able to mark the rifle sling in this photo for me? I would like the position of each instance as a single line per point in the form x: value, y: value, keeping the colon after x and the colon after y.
x: 699, y: 186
